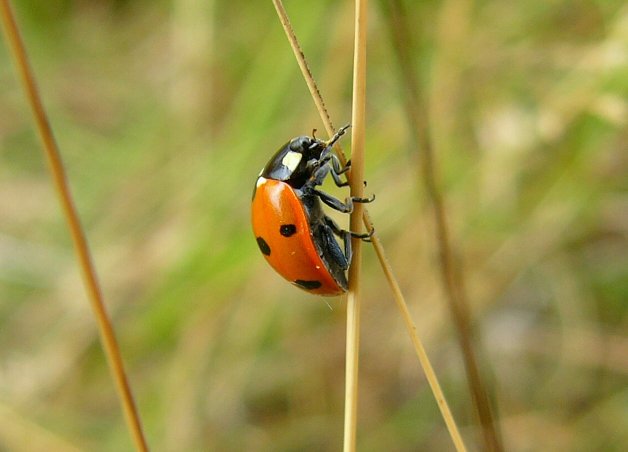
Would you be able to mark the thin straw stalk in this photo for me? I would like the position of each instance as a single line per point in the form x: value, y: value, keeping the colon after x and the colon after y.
x: 358, y: 120
x: 451, y: 273
x: 377, y: 245
x: 81, y: 247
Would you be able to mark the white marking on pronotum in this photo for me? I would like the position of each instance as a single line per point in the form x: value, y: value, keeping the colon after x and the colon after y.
x: 291, y: 160
x: 260, y: 180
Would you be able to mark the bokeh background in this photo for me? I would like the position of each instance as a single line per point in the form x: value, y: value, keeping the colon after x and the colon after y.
x: 166, y: 110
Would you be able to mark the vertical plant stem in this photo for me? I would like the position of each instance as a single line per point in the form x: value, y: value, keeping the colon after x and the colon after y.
x: 376, y: 242
x: 358, y: 120
x: 424, y: 360
x: 57, y: 170
x: 451, y: 274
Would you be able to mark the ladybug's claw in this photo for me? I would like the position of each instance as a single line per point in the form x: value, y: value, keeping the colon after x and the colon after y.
x: 364, y: 200
x: 364, y: 237
x: 370, y: 233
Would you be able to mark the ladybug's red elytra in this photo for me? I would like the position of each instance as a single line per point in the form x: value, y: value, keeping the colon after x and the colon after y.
x: 292, y: 231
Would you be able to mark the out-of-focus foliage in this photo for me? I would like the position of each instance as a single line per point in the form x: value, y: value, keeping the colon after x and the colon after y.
x: 165, y: 111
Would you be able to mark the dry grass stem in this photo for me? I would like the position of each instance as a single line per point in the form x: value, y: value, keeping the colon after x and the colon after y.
x: 57, y: 170
x: 424, y: 360
x: 451, y: 274
x: 305, y: 69
x: 377, y: 245
x: 358, y: 120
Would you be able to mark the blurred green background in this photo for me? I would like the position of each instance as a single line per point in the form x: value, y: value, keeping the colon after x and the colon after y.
x: 166, y: 110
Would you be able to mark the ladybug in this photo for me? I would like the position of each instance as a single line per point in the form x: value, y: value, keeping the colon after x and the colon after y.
x: 291, y: 228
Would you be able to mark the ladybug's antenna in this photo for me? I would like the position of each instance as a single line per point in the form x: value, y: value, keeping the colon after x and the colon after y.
x: 337, y: 136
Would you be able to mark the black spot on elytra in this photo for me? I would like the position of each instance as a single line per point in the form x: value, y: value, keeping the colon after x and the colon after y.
x: 308, y: 285
x: 263, y: 246
x: 287, y: 230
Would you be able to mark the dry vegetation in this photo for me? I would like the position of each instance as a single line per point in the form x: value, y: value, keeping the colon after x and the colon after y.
x: 165, y: 111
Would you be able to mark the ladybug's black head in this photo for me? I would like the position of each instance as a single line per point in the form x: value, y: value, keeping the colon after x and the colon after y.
x: 292, y: 163
x: 295, y: 161
x: 308, y: 147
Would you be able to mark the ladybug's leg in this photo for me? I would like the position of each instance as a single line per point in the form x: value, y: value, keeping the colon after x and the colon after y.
x: 324, y: 166
x: 366, y: 236
x: 342, y: 169
x: 346, y: 236
x: 337, y: 169
x: 320, y: 172
x: 329, y: 163
x: 334, y: 203
x: 331, y: 247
